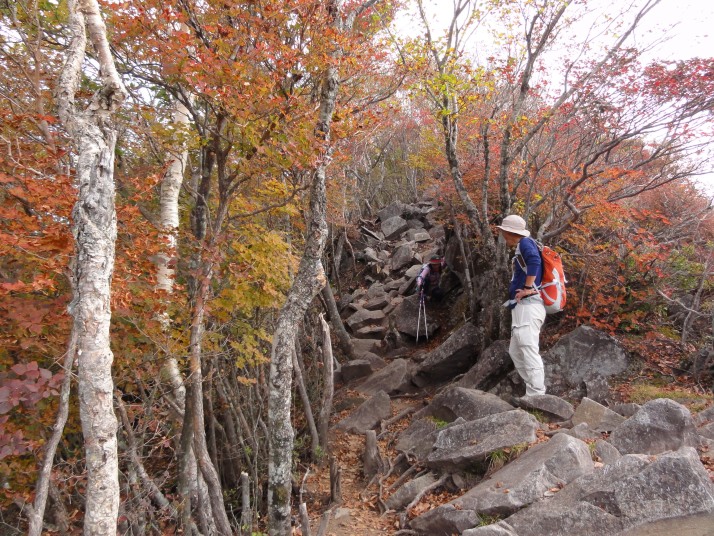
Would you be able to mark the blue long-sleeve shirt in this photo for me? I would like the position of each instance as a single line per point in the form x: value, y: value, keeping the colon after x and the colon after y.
x: 526, y: 262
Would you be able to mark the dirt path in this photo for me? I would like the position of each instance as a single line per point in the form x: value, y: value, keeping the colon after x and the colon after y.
x: 359, y: 514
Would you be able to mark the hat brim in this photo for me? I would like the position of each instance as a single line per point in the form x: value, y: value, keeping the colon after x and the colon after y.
x: 519, y: 232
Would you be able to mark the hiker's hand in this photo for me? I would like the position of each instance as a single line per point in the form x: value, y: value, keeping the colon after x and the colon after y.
x: 524, y: 293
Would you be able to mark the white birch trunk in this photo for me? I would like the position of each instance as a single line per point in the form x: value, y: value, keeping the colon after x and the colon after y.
x: 310, y: 278
x: 94, y: 219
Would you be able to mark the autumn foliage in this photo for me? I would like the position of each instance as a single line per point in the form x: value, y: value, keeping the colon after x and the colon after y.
x: 605, y: 172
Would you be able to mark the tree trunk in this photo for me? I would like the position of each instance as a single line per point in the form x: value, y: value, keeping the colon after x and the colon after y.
x: 328, y: 388
x: 194, y: 415
x: 94, y: 218
x: 337, y: 325
x: 309, y: 417
x: 44, y: 477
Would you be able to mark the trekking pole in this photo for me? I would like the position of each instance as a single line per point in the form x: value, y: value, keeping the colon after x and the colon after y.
x: 421, y: 299
x: 426, y: 328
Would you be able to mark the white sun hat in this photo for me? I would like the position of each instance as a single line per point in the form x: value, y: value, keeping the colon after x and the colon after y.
x: 514, y: 224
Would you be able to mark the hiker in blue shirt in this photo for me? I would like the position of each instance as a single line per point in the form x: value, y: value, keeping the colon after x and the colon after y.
x: 527, y: 309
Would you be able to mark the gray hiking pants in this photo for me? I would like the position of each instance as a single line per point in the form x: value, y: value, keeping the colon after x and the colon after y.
x: 526, y: 320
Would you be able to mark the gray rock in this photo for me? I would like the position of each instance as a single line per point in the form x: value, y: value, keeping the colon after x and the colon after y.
x: 378, y: 302
x: 364, y: 317
x: 370, y: 255
x: 361, y: 347
x: 371, y: 332
x: 704, y: 417
x: 357, y: 368
x: 408, y: 492
x: 606, y: 452
x: 597, y: 389
x: 470, y: 404
x: 491, y: 367
x: 437, y: 232
x: 395, y: 378
x: 415, y: 223
x: 406, y: 316
x: 395, y: 209
x: 626, y: 410
x: 659, y: 426
x: 376, y: 361
x: 393, y: 227
x: 582, y: 356
x: 520, y: 483
x: 462, y: 447
x: 707, y: 430
x: 450, y: 522
x: 419, y: 438
x: 455, y: 356
x: 552, y: 407
x: 413, y: 271
x: 695, y: 525
x: 581, y: 431
x: 633, y: 493
x: 597, y: 416
x: 402, y: 256
x: 394, y: 284
x: 417, y: 235
x: 368, y: 415
x: 375, y: 290
x: 500, y: 529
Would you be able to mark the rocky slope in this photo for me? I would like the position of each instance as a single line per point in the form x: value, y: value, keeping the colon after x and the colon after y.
x: 571, y: 462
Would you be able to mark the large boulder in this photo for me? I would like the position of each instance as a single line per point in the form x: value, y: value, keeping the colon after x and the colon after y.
x: 418, y: 439
x: 551, y: 407
x: 596, y: 416
x: 357, y: 368
x: 520, y: 483
x: 402, y: 256
x: 407, y: 316
x: 470, y: 404
x: 393, y: 227
x: 408, y: 492
x: 579, y: 357
x: 492, y: 366
x: 364, y: 317
x: 368, y: 415
x: 464, y: 447
x: 395, y: 378
x: 629, y: 497
x: 390, y: 211
x: 658, y: 426
x: 454, y: 356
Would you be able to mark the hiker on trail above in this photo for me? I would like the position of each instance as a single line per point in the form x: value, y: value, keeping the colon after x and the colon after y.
x: 428, y: 279
x: 526, y: 304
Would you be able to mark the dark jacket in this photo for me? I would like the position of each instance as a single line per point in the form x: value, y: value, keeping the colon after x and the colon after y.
x: 525, y: 262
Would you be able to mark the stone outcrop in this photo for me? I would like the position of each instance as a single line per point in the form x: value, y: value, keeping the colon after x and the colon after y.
x: 454, y: 356
x: 630, y: 496
x: 566, y: 463
x: 582, y: 356
x: 463, y: 447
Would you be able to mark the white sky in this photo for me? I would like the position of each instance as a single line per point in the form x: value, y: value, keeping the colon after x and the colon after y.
x: 692, y: 34
x: 683, y: 27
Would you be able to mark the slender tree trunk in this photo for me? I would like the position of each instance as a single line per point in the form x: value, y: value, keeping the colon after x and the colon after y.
x: 328, y: 389
x: 337, y: 325
x: 94, y: 219
x: 309, y: 279
x: 309, y: 417
x: 195, y: 417
x: 45, y: 475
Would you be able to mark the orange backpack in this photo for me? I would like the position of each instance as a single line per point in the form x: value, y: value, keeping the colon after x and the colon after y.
x: 552, y: 286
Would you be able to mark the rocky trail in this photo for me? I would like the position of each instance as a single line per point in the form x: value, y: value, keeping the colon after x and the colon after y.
x: 430, y: 438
